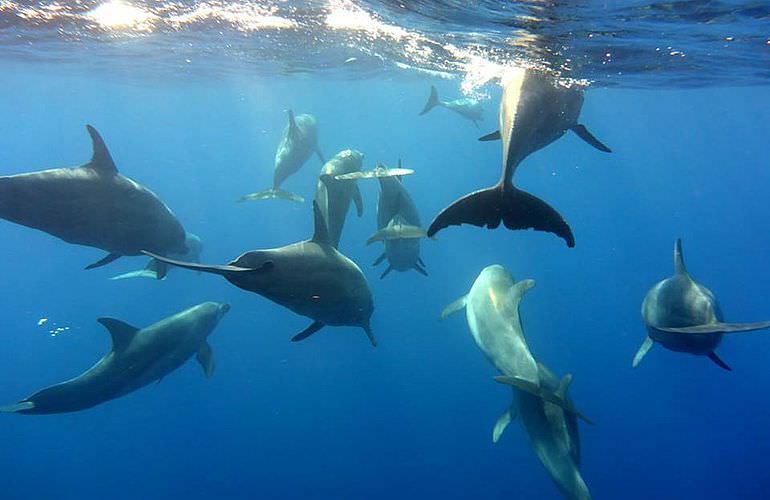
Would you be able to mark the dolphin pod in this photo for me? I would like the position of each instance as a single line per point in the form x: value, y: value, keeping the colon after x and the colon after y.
x: 684, y: 316
x: 298, y: 141
x: 547, y: 412
x: 535, y: 111
x: 310, y: 278
x: 468, y: 108
x: 137, y: 358
x: 93, y: 205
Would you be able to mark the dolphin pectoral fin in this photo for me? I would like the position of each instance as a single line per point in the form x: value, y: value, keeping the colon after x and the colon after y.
x: 205, y: 357
x: 492, y: 136
x: 516, y: 209
x: 142, y: 273
x: 380, y: 259
x: 15, y: 408
x: 517, y: 291
x: 310, y: 330
x: 432, y: 101
x: 370, y: 335
x: 455, y: 306
x: 545, y: 395
x: 417, y: 267
x: 587, y: 136
x: 502, y: 422
x: 161, y: 269
x: 220, y: 270
x: 387, y: 271
x: 273, y: 194
x: 101, y: 161
x: 719, y: 328
x: 716, y: 359
x: 643, y: 349
x: 358, y: 200
x: 420, y: 261
x: 320, y: 155
x: 110, y: 257
x: 378, y: 236
x: 475, y: 122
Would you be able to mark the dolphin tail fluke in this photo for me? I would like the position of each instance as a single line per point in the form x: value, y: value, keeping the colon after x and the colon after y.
x: 18, y: 407
x: 273, y: 194
x: 642, y: 352
x: 110, y: 257
x: 716, y: 359
x: 307, y: 332
x: 582, y: 132
x: 516, y: 209
x: 432, y: 101
x: 226, y: 271
x: 370, y: 335
x: 557, y: 398
x: 719, y: 328
x: 502, y: 422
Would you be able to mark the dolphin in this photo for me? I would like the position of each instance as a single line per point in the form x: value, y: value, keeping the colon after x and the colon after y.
x: 535, y: 111
x: 684, y: 316
x: 467, y: 108
x: 310, y: 278
x: 396, y: 210
x: 298, y: 141
x: 138, y: 357
x: 548, y: 414
x: 334, y: 196
x: 153, y: 271
x: 93, y: 205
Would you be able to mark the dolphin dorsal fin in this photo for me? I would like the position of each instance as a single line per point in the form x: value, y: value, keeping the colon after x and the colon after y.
x: 321, y: 232
x: 679, y: 267
x: 101, y: 161
x: 122, y: 333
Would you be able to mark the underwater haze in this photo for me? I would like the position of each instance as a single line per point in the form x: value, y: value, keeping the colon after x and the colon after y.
x: 191, y: 99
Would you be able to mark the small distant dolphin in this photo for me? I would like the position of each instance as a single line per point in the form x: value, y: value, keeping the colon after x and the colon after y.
x: 311, y: 278
x: 151, y: 270
x: 395, y: 209
x: 334, y: 196
x: 548, y: 414
x: 298, y: 142
x: 93, y: 205
x: 467, y: 108
x: 138, y: 357
x: 535, y: 111
x: 684, y: 316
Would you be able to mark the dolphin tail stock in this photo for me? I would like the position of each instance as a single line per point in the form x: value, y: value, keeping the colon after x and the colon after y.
x: 642, y: 352
x: 433, y: 101
x: 220, y: 270
x: 515, y: 208
x: 18, y: 407
x: 582, y: 132
x: 558, y: 397
x: 272, y: 194
x: 110, y: 257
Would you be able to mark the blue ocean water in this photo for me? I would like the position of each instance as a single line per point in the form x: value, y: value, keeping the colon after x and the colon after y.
x: 332, y: 417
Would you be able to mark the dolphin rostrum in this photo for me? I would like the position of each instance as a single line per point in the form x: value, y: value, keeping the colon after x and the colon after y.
x: 467, y: 107
x: 138, y: 357
x: 684, y: 316
x: 535, y: 111
x: 93, y: 205
x: 334, y: 196
x: 548, y: 414
x: 311, y: 278
x: 298, y: 141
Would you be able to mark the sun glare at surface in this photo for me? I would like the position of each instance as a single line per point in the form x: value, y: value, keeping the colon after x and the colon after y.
x: 119, y: 15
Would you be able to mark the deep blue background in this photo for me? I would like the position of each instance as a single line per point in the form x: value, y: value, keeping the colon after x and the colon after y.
x: 332, y: 417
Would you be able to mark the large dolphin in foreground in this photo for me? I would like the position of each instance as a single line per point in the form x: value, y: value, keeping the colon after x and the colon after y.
x: 684, y: 316
x: 548, y: 414
x: 298, y: 141
x: 138, y: 357
x: 535, y: 110
x: 334, y: 196
x: 467, y: 107
x: 93, y: 205
x: 155, y: 271
x: 310, y: 278
x: 398, y: 225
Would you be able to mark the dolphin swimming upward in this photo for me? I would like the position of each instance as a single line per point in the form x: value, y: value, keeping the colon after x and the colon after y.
x: 684, y: 316
x: 334, y: 196
x: 93, y: 205
x: 310, y: 278
x: 467, y: 108
x: 535, y: 111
